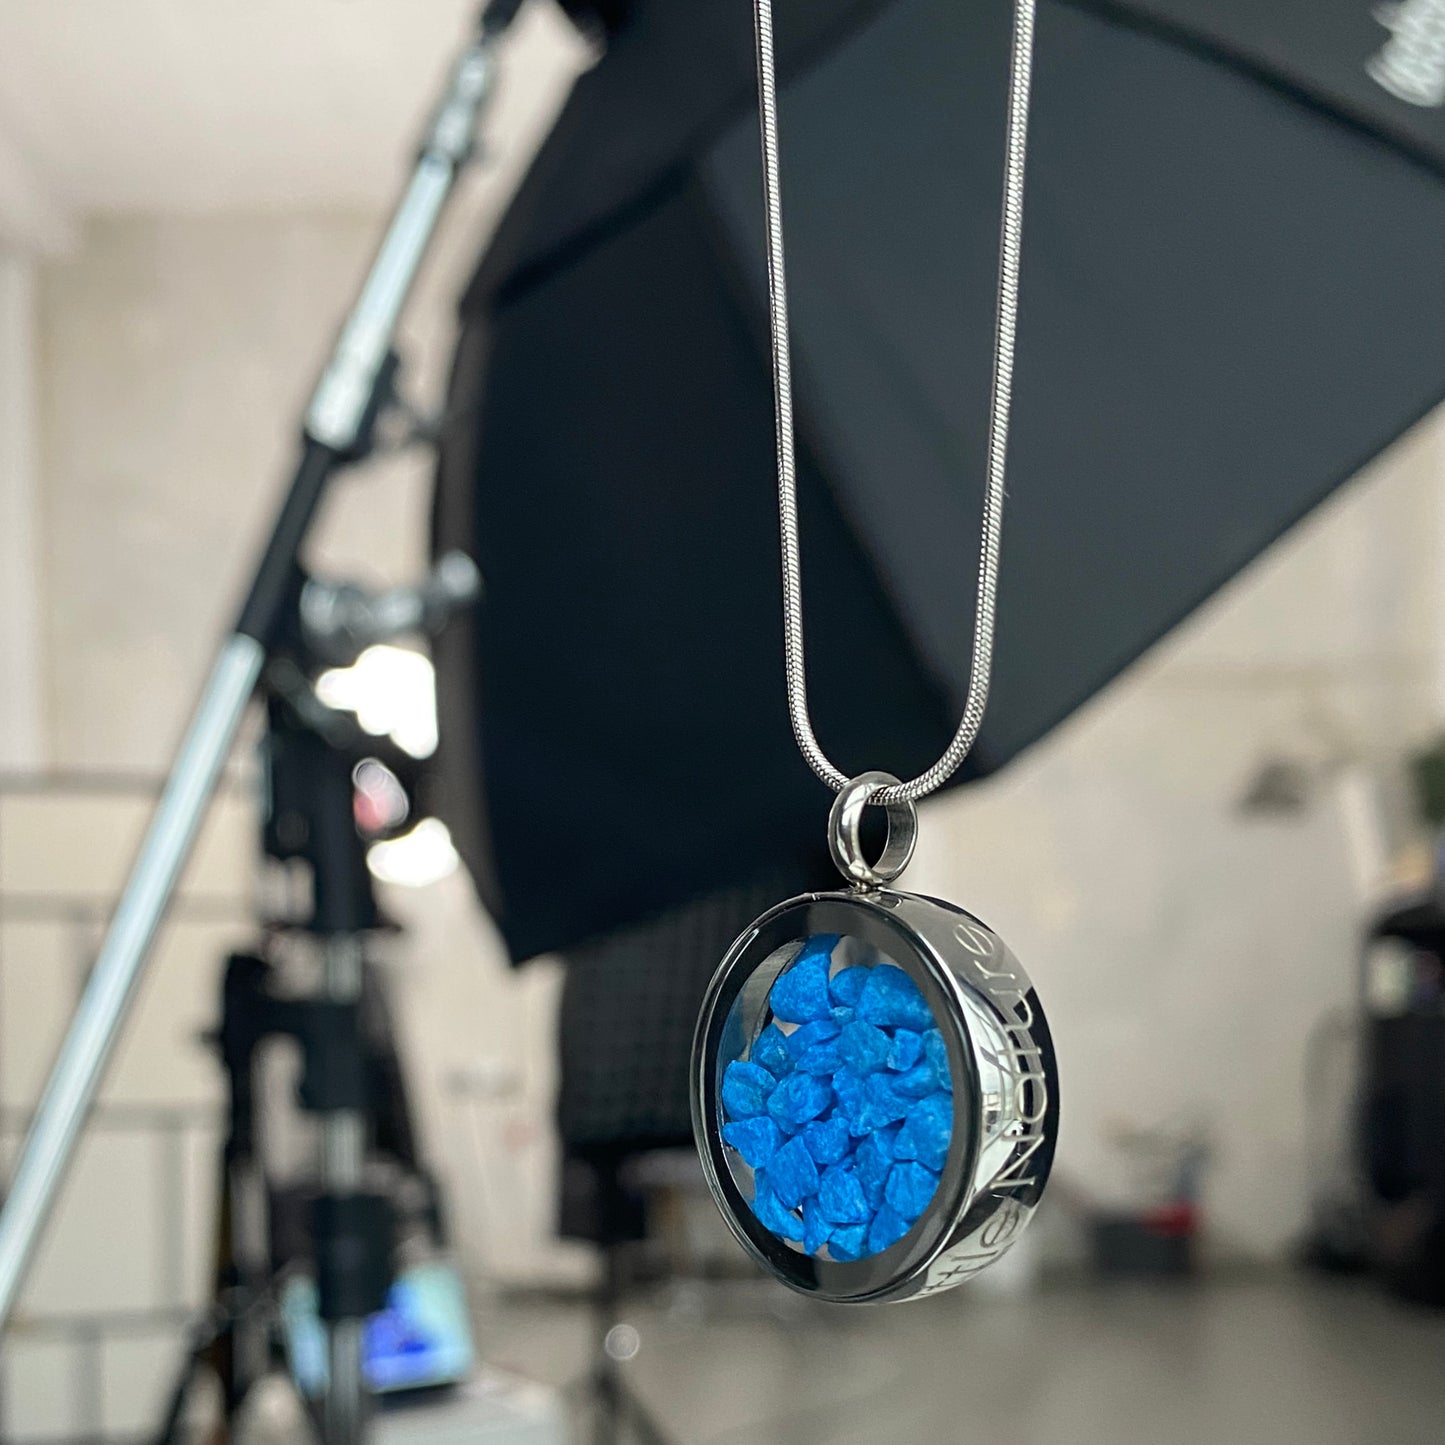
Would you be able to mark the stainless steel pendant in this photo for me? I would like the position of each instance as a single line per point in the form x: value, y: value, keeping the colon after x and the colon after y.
x: 965, y: 1102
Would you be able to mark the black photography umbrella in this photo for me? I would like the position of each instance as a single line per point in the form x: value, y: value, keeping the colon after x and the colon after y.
x: 1231, y: 301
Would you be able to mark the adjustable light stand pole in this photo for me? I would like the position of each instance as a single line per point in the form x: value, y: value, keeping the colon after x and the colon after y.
x: 311, y: 820
x: 338, y: 430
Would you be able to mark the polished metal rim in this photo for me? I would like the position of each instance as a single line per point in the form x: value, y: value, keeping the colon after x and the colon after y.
x: 1005, y: 1088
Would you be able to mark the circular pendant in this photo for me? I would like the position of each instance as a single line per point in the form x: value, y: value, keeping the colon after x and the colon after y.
x: 875, y: 1094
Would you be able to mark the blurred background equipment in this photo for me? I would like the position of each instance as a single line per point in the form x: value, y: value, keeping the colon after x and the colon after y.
x: 340, y: 1274
x: 1375, y: 1084
x: 629, y: 1007
x: 1190, y: 385
x: 287, y: 626
x: 1160, y: 1230
x: 1401, y: 1120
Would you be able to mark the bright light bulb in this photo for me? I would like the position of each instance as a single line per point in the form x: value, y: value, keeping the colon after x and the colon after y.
x: 392, y: 691
x: 416, y: 859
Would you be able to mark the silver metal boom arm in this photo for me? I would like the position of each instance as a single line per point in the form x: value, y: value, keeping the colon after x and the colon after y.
x: 335, y: 424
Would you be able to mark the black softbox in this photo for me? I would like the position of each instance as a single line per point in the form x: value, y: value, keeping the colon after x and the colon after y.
x: 1231, y: 302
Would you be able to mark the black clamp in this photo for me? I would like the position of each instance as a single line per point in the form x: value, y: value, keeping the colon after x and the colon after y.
x: 355, y: 1238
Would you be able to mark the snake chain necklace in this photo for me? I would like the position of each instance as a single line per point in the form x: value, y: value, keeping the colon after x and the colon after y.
x: 875, y: 1094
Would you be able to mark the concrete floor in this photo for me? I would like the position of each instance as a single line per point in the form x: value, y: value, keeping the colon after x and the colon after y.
x: 1279, y: 1361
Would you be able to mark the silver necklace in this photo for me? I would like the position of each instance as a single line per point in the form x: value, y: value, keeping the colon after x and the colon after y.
x: 875, y: 1090
x: 1006, y: 330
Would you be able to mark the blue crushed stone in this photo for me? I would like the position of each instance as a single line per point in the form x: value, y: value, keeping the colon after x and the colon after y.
x: 848, y: 1090
x: 800, y: 994
x: 797, y: 1043
x: 891, y: 998
x: 873, y: 1163
x: 793, y: 1174
x: 821, y: 1059
x: 746, y: 1089
x: 864, y: 1047
x: 816, y: 1229
x: 887, y: 1140
x: 936, y: 1052
x: 910, y: 1186
x: 882, y: 1104
x: 827, y: 1139
x: 926, y: 1132
x: 756, y: 1140
x: 771, y: 1051
x: 796, y: 1100
x: 840, y: 1197
x: 888, y: 1228
x: 843, y: 1107
x: 771, y: 1214
x: 905, y: 1051
x: 918, y: 1083
x: 847, y: 984
x: 820, y: 945
x: 850, y: 1243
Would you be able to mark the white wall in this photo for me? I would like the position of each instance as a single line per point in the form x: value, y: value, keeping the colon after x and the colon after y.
x: 21, y: 734
x: 1186, y: 951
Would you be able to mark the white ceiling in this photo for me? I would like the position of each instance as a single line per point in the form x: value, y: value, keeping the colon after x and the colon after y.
x: 210, y: 105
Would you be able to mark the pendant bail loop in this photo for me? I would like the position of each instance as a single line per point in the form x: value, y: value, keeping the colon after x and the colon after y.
x: 845, y: 842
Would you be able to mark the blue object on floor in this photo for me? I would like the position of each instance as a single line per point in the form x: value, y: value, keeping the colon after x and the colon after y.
x: 421, y: 1339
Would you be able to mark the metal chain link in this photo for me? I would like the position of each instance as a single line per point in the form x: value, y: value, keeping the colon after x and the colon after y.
x: 1010, y: 239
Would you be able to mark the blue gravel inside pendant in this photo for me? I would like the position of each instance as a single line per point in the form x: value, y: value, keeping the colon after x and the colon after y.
x: 843, y: 1107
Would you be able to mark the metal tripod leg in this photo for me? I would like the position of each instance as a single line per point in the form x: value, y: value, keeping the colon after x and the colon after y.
x: 93, y: 1031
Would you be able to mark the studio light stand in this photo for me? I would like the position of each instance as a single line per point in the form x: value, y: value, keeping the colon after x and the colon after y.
x: 312, y: 753
x: 355, y: 388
